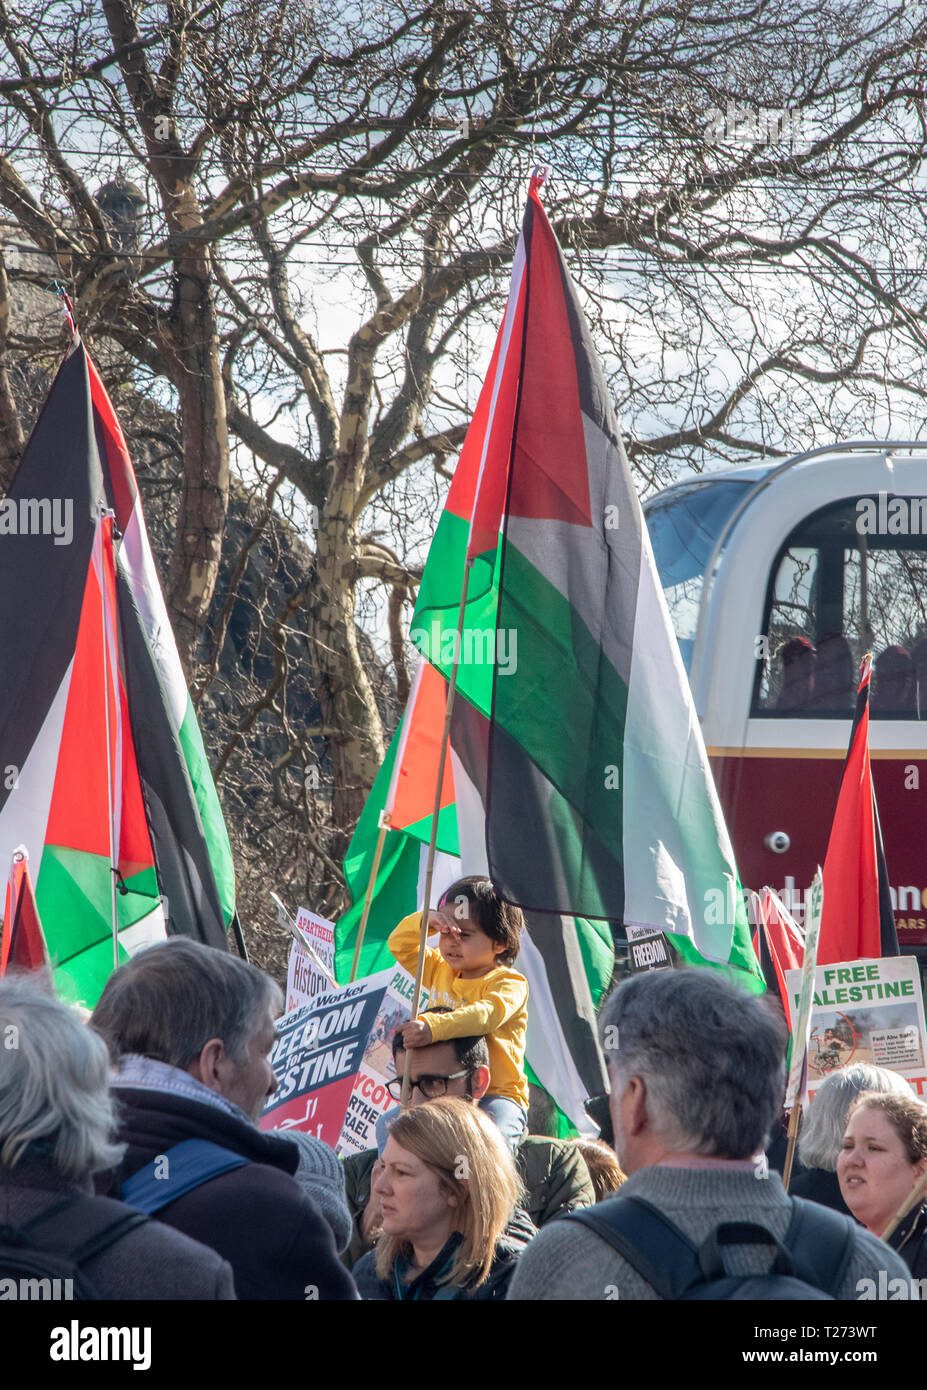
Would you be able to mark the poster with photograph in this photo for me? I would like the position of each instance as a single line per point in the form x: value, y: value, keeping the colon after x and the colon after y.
x: 865, y: 1011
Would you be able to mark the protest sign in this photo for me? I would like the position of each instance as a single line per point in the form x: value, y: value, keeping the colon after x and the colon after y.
x: 333, y: 1058
x: 311, y: 971
x: 370, y: 1098
x: 801, y: 1024
x: 648, y: 953
x: 866, y: 1011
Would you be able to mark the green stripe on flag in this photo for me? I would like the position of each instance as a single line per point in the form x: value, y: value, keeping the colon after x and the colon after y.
x: 213, y: 821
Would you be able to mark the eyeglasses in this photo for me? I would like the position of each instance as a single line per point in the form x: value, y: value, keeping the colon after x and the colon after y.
x: 431, y: 1087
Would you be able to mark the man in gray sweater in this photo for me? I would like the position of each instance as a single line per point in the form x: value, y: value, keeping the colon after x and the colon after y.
x: 697, y: 1079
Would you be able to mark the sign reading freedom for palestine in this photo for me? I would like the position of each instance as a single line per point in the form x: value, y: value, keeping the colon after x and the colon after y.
x: 333, y: 1058
x: 865, y: 1011
x: 317, y: 1056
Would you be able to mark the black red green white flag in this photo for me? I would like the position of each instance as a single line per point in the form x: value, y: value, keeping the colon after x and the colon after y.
x: 97, y: 722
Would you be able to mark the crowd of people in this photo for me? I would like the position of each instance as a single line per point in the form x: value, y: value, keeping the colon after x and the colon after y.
x: 132, y: 1162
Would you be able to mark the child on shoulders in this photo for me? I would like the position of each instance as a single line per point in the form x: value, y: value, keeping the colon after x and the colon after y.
x: 471, y: 973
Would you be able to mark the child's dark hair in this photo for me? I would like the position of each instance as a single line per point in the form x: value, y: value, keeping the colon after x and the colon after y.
x: 477, y: 899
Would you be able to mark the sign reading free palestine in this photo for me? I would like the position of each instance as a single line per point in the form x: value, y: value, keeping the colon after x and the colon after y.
x: 865, y: 1011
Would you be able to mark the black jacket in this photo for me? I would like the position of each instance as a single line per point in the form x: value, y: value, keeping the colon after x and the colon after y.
x: 910, y: 1240
x: 821, y: 1186
x: 425, y: 1286
x: 257, y: 1217
x: 149, y: 1262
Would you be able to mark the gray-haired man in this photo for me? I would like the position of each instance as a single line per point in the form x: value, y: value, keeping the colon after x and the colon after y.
x: 697, y: 1078
x: 191, y: 1030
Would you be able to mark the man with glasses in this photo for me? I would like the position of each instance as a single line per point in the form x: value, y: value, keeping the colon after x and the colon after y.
x: 553, y: 1171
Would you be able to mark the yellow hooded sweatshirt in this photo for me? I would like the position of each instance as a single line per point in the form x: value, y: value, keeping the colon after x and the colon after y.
x: 494, y: 1006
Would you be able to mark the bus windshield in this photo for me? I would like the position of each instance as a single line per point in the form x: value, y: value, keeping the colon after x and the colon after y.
x: 685, y: 524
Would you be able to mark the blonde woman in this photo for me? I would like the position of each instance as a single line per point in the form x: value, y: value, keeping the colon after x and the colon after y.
x: 448, y: 1191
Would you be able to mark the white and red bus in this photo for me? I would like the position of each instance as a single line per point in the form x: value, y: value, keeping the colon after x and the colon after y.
x: 779, y: 577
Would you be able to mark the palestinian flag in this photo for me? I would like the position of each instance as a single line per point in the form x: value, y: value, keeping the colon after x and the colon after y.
x: 580, y: 779
x: 599, y: 800
x: 777, y: 941
x: 568, y: 962
x: 857, y: 920
x: 103, y: 769
x: 22, y: 941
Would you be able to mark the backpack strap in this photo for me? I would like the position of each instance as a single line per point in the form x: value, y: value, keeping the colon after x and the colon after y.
x: 78, y: 1228
x: 189, y: 1164
x: 821, y: 1243
x: 651, y: 1244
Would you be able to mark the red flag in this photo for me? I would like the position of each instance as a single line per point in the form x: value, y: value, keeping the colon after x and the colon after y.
x: 778, y: 943
x: 857, y: 919
x: 23, y: 941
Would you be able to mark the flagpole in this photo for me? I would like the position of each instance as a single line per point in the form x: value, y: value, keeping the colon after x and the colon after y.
x: 910, y: 1202
x: 113, y: 865
x: 801, y: 1032
x: 368, y: 896
x: 433, y: 840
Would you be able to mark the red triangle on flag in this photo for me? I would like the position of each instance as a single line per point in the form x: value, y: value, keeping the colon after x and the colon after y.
x: 413, y: 786
x: 80, y: 813
x: 23, y: 941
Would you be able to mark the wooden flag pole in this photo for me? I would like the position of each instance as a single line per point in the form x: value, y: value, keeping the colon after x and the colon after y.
x: 915, y: 1196
x: 432, y: 843
x: 794, y: 1119
x: 368, y: 896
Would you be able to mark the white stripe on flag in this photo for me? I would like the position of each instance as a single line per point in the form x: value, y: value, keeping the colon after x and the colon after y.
x: 677, y: 854
x: 24, y: 819
x: 136, y: 562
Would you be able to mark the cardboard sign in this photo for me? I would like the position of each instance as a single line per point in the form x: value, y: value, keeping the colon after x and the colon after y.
x: 334, y: 1057
x: 649, y: 953
x: 307, y: 978
x: 802, y: 993
x: 865, y: 1011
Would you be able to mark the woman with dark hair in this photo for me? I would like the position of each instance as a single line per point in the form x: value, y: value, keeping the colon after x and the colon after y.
x: 884, y: 1155
x: 448, y: 1191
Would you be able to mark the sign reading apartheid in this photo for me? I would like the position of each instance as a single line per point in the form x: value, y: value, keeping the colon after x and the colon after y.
x: 865, y: 1011
x: 305, y: 981
x: 333, y: 1058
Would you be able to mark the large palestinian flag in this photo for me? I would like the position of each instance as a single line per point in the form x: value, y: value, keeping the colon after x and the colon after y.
x: 599, y: 797
x: 104, y: 776
x: 576, y: 747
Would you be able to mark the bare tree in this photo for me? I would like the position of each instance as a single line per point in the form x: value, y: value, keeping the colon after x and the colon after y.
x: 331, y: 203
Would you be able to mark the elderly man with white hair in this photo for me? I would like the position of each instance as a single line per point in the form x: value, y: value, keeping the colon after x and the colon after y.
x: 56, y: 1128
x: 697, y: 1079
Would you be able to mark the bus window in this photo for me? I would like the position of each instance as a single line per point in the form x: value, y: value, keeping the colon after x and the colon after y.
x: 684, y: 525
x: 836, y: 592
